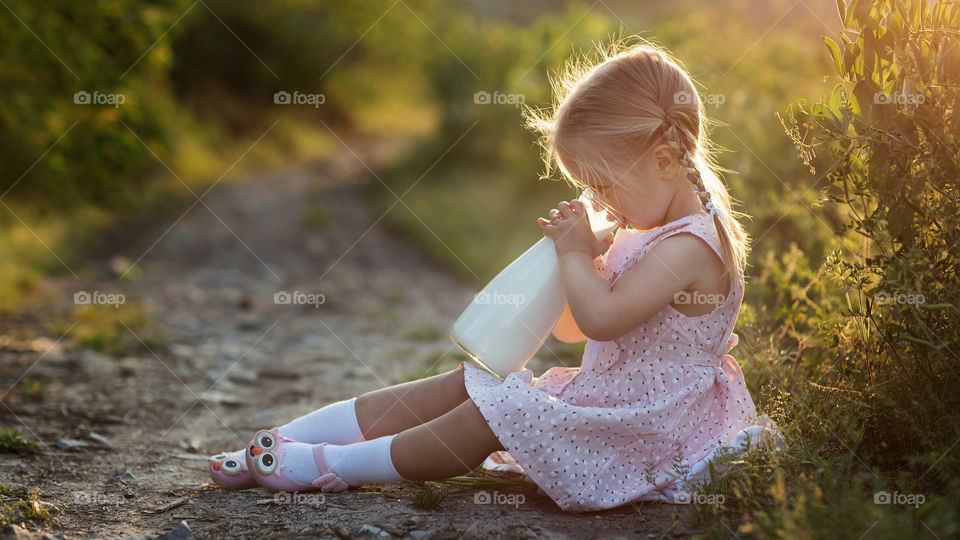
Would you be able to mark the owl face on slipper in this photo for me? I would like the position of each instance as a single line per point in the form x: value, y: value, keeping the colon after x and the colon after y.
x: 265, y: 452
x: 281, y: 464
x: 230, y: 470
x: 226, y: 464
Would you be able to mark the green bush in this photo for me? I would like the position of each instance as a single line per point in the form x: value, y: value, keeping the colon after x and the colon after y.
x: 364, y: 56
x: 65, y: 153
x: 892, y: 121
x: 860, y: 374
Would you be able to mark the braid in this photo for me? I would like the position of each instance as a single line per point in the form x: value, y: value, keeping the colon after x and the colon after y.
x: 674, y: 140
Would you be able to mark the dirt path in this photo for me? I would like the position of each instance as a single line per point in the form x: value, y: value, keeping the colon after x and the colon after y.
x: 234, y: 361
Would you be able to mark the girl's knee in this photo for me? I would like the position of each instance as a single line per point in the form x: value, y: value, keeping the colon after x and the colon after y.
x: 456, y: 383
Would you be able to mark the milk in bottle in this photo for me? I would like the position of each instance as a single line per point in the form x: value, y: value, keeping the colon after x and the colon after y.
x: 508, y: 321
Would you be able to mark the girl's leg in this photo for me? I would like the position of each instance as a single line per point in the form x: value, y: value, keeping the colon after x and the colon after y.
x: 393, y: 409
x: 373, y: 415
x: 450, y: 444
x: 453, y: 444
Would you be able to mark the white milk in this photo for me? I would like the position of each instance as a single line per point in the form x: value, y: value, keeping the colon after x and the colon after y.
x: 508, y: 321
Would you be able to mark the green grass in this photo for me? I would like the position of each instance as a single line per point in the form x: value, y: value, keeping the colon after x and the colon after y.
x: 424, y: 332
x: 428, y: 496
x: 473, y: 482
x: 32, y: 389
x: 112, y: 330
x: 20, y: 505
x: 12, y: 442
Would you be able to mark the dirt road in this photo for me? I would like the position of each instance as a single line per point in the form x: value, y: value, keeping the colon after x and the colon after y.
x: 124, y: 440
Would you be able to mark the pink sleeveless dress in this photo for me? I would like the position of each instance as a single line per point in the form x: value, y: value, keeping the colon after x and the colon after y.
x: 613, y: 430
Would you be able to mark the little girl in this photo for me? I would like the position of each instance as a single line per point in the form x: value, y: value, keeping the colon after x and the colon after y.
x: 656, y: 396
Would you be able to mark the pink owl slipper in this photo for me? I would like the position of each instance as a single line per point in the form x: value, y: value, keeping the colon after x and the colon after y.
x: 281, y: 464
x: 230, y: 471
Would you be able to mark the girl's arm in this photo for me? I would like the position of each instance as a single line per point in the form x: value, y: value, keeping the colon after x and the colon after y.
x: 566, y: 329
x: 602, y: 312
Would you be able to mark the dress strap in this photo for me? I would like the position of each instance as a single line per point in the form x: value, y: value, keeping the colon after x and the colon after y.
x: 699, y: 225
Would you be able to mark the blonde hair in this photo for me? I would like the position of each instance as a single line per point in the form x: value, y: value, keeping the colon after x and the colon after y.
x: 625, y: 103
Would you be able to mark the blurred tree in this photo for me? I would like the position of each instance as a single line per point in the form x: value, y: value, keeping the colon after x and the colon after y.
x: 107, y: 52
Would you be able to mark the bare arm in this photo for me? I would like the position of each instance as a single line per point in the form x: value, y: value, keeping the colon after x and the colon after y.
x: 604, y: 313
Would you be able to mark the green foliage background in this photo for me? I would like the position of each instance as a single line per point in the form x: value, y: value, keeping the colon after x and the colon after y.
x: 849, y: 198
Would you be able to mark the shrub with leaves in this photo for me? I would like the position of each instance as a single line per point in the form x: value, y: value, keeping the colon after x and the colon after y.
x: 892, y: 121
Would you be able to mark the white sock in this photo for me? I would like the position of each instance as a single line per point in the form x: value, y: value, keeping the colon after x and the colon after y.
x: 366, y: 462
x: 336, y: 424
x: 299, y: 462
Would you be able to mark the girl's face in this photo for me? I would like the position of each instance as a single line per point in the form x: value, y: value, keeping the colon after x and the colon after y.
x: 641, y: 197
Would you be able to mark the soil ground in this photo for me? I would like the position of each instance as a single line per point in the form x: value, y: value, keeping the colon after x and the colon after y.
x: 231, y: 361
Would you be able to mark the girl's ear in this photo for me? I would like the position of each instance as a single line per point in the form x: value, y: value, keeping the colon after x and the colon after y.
x: 665, y: 161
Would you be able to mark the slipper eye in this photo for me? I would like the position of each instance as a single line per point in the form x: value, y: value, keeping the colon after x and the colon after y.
x: 266, y: 463
x: 231, y: 466
x: 266, y: 440
x: 218, y: 457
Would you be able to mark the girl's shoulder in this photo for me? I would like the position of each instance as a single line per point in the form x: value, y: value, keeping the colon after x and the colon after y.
x: 631, y: 244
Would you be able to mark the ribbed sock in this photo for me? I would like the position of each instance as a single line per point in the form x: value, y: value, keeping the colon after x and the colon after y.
x: 335, y: 423
x: 366, y: 462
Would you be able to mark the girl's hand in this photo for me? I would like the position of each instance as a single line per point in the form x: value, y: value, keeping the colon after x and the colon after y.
x: 569, y: 228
